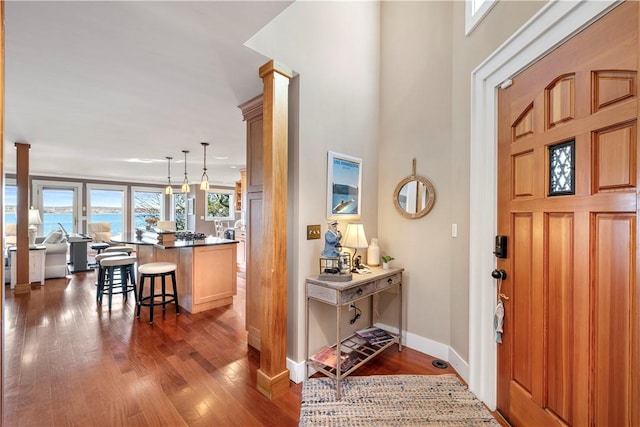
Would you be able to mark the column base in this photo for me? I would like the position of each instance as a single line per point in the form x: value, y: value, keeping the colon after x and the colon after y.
x: 22, y: 288
x: 273, y: 386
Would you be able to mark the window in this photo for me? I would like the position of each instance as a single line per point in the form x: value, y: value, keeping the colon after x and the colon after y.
x: 59, y: 205
x: 107, y: 204
x: 562, y: 169
x: 219, y: 205
x: 147, y: 203
x: 10, y: 202
x: 180, y: 211
x: 475, y: 10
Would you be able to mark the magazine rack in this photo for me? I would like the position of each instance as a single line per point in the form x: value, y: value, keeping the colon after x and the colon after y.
x: 352, y: 351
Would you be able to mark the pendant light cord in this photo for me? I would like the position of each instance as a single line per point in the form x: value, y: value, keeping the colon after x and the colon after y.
x: 185, y: 183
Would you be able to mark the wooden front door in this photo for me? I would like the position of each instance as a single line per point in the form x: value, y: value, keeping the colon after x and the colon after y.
x: 568, y: 204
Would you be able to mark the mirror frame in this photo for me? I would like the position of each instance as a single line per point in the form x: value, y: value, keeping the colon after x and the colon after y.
x: 431, y: 198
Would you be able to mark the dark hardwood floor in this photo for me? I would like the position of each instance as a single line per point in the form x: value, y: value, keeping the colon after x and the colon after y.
x: 70, y: 362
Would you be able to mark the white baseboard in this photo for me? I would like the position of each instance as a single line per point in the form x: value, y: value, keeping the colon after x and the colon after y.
x: 459, y: 364
x: 296, y: 371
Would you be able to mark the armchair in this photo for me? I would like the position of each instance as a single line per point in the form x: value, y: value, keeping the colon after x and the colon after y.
x: 10, y: 234
x: 99, y: 231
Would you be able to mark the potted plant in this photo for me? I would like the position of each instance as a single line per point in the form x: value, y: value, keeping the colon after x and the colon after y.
x: 385, y: 261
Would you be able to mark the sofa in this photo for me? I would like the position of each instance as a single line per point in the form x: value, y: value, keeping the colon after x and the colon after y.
x: 55, y: 261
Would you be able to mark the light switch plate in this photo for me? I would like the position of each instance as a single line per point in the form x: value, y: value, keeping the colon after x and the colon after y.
x: 313, y: 232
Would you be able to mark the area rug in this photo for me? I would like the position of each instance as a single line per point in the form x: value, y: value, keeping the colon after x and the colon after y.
x: 392, y: 400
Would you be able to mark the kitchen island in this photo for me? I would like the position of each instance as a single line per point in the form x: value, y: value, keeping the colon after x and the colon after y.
x: 206, y: 268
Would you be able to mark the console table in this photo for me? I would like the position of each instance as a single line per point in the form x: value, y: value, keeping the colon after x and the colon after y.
x: 36, y: 264
x: 339, y: 294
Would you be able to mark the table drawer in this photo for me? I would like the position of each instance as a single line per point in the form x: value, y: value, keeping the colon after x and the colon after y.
x: 322, y: 293
x: 357, y: 292
x: 390, y: 281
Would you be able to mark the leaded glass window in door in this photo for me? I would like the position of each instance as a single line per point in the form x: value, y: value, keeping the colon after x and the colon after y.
x: 562, y: 169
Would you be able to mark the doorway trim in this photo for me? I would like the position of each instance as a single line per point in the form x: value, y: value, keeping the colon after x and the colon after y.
x: 554, y: 23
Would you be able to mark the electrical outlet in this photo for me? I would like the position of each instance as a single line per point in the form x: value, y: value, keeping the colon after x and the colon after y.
x: 313, y: 232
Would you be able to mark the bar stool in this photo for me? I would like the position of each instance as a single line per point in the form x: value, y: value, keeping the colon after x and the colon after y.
x: 101, y: 271
x: 125, y: 265
x: 152, y: 270
x: 99, y: 247
x: 126, y: 249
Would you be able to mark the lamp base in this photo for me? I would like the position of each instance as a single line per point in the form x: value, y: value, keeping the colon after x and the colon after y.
x: 33, y: 230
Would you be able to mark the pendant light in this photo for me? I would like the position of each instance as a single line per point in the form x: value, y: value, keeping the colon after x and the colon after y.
x: 204, y: 182
x: 168, y: 190
x: 185, y: 183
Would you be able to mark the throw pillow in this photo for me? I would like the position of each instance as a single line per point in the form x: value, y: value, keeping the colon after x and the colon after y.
x: 54, y: 236
x: 102, y: 236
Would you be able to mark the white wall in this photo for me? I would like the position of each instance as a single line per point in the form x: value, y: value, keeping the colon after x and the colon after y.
x: 334, y: 47
x: 388, y: 82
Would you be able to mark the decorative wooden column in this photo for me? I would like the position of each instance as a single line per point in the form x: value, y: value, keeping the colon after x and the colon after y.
x: 273, y: 375
x: 22, y: 218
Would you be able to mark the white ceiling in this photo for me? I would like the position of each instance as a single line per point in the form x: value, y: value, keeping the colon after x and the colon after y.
x: 93, y: 85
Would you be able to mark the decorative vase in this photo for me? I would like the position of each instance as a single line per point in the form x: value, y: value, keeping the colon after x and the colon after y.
x: 373, y: 253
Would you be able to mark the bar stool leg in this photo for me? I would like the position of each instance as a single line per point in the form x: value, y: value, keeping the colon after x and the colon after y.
x: 132, y: 278
x: 111, y: 274
x: 175, y: 292
x: 153, y: 297
x: 140, y: 290
x: 99, y: 286
x: 164, y: 293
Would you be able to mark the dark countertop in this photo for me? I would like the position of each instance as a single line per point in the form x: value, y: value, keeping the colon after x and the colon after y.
x: 131, y: 239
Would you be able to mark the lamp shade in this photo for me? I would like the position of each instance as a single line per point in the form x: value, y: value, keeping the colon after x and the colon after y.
x: 34, y: 217
x: 355, y: 237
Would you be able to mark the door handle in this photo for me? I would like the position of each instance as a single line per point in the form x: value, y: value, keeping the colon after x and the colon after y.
x: 499, y: 274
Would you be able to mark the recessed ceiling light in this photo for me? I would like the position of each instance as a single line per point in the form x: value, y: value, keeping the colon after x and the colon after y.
x: 220, y: 157
x: 136, y: 160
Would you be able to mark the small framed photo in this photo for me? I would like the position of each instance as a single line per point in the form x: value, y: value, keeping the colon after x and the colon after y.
x: 344, y: 186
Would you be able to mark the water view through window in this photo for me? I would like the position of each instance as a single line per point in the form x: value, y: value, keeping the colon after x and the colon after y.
x: 106, y: 206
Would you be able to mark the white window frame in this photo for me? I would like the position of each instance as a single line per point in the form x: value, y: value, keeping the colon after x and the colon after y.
x: 172, y: 210
x: 474, y: 14
x: 109, y: 187
x: 38, y: 185
x: 135, y: 189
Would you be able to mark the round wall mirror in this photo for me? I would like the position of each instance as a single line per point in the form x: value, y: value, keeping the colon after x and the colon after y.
x: 414, y: 196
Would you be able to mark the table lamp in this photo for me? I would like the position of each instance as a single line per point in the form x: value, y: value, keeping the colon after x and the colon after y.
x: 34, y: 222
x: 355, y: 238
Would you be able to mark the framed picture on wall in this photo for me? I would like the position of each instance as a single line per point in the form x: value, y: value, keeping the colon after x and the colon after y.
x: 344, y: 186
x: 219, y: 205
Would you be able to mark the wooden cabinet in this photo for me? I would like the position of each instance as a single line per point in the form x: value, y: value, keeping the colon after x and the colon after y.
x: 252, y: 114
x: 241, y: 237
x: 254, y: 268
x: 215, y: 276
x: 339, y: 294
x: 206, y: 275
x: 240, y: 190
